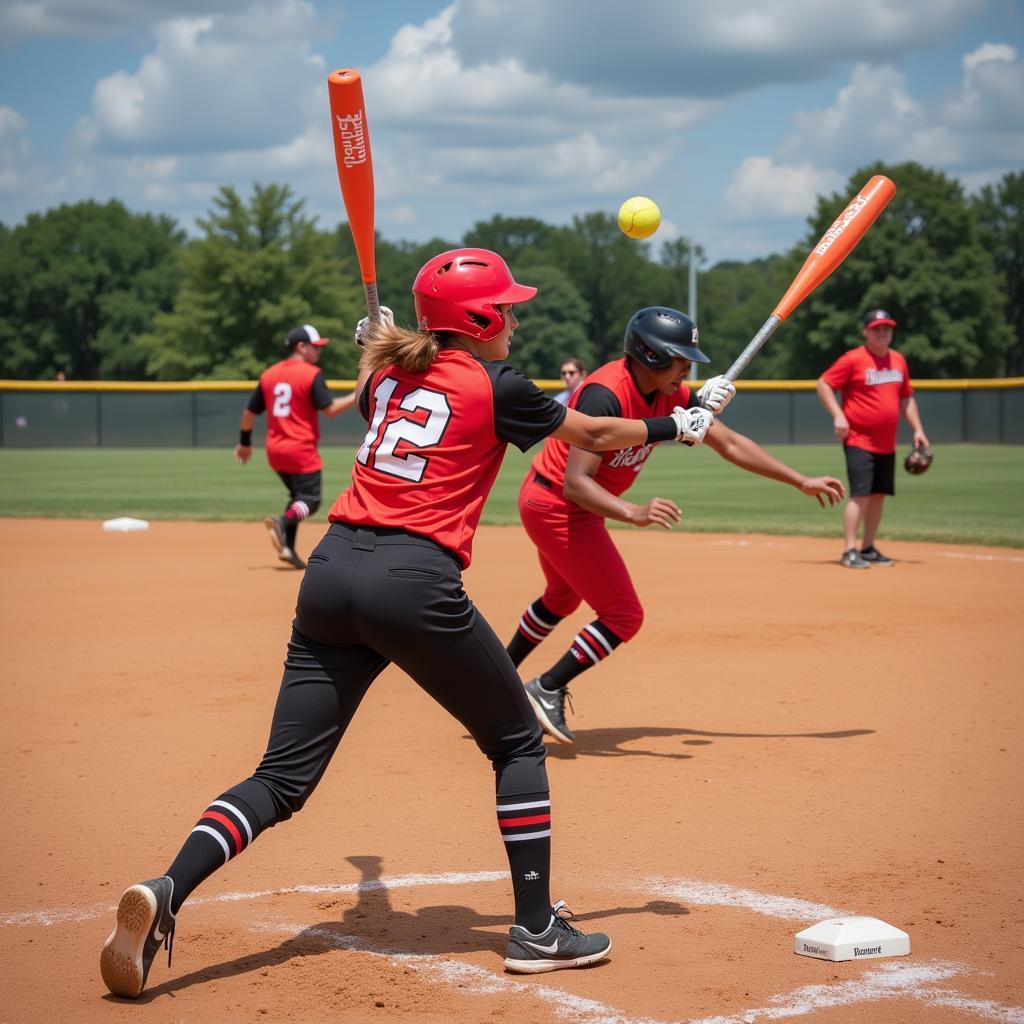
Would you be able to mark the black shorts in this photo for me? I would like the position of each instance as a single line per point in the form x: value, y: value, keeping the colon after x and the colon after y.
x: 303, y: 487
x: 870, y: 473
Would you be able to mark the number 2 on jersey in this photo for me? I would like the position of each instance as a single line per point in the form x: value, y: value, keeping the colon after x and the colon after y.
x: 282, y: 399
x: 418, y: 435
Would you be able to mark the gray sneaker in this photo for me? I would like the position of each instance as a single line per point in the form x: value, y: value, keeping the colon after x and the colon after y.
x: 852, y: 560
x: 276, y: 529
x: 289, y: 556
x: 144, y: 923
x: 875, y: 557
x: 549, y: 707
x: 555, y: 949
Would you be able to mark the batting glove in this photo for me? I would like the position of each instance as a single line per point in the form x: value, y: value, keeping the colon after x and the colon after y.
x: 693, y: 424
x: 715, y: 394
x: 362, y: 328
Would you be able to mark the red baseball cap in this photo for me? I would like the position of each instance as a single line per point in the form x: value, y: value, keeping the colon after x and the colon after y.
x: 874, y: 317
x: 307, y: 333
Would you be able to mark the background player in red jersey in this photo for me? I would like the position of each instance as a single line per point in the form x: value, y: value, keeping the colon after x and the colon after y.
x: 384, y: 585
x: 875, y: 386
x: 295, y: 392
x: 570, y: 491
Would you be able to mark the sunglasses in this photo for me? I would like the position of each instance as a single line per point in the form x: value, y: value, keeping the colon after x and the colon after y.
x: 570, y: 373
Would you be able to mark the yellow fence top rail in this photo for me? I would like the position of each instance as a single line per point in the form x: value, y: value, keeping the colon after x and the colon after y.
x: 955, y: 384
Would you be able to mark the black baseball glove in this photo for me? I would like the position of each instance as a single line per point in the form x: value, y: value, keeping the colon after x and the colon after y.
x: 919, y: 459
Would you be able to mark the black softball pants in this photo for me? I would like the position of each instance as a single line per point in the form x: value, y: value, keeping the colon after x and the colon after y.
x: 372, y: 596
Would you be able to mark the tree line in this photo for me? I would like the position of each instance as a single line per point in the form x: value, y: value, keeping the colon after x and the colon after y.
x: 96, y: 292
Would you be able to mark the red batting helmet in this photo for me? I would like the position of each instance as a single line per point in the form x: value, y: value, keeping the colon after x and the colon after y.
x: 459, y: 290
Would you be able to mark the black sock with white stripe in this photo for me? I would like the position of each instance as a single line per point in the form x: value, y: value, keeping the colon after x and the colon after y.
x: 525, y: 823
x: 592, y: 644
x: 534, y: 626
x: 224, y: 830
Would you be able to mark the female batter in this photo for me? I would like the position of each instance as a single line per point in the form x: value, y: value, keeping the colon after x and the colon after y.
x: 384, y: 585
x: 571, y: 490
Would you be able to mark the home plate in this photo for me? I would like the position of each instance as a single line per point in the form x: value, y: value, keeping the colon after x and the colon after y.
x: 125, y: 524
x: 851, y: 938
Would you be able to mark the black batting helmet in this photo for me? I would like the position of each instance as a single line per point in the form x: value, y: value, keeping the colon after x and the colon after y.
x: 657, y: 334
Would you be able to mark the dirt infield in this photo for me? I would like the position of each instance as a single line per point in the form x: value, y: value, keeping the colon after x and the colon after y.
x: 784, y: 741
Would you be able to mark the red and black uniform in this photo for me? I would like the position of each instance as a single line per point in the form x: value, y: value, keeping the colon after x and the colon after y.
x: 579, y: 560
x: 384, y: 585
x: 872, y: 389
x: 292, y: 392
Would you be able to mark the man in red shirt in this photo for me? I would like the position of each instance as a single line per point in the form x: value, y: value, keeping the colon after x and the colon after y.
x: 294, y: 390
x: 875, y: 385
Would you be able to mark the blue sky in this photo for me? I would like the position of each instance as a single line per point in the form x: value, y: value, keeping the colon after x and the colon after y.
x: 732, y: 116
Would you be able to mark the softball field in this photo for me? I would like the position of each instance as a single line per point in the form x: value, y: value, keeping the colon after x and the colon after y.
x: 784, y: 741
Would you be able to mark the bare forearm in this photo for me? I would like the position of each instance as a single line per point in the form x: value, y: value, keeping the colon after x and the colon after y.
x: 248, y: 419
x: 912, y: 414
x: 339, y: 405
x: 828, y: 399
x: 749, y: 455
x: 587, y: 493
x: 604, y: 433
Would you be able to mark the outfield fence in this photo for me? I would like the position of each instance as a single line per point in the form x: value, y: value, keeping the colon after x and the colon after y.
x: 205, y: 414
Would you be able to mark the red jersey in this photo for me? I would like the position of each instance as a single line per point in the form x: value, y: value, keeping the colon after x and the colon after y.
x: 872, y: 388
x: 292, y: 392
x: 435, y: 444
x: 610, y: 391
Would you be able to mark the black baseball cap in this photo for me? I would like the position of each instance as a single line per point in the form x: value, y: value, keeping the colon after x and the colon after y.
x: 874, y: 317
x: 307, y: 333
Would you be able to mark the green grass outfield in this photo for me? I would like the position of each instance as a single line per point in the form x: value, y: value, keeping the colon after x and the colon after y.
x: 973, y: 494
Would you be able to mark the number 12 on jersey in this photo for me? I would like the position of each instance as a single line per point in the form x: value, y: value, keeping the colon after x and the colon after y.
x: 380, y: 454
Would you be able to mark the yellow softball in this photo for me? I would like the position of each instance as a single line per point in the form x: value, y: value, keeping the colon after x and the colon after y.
x: 639, y: 217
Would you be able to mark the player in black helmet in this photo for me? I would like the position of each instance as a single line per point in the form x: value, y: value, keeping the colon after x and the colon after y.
x: 569, y: 492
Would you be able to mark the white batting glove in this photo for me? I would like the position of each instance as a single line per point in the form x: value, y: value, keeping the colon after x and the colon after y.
x: 715, y: 394
x: 387, y: 317
x: 693, y: 424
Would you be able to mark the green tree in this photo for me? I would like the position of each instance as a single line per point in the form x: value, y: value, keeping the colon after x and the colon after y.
x: 78, y: 287
x: 1000, y: 213
x: 610, y: 271
x: 552, y: 325
x: 521, y: 241
x: 924, y: 261
x: 261, y: 268
x: 735, y: 300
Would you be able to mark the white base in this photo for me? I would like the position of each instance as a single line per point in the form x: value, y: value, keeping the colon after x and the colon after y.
x: 851, y: 938
x: 125, y: 524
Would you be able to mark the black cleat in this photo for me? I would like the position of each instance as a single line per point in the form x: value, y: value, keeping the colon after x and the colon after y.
x: 559, y: 947
x: 549, y: 706
x: 289, y: 556
x: 875, y: 557
x: 144, y: 923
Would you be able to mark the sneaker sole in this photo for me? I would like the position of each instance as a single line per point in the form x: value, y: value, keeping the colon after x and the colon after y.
x: 268, y: 522
x: 121, y: 959
x: 866, y: 565
x: 543, y: 966
x: 549, y: 728
x: 881, y: 565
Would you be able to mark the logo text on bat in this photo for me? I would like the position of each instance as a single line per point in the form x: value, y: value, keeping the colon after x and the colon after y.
x: 352, y: 132
x: 840, y: 224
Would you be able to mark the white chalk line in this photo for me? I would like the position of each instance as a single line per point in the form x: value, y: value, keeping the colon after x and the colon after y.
x: 980, y: 558
x: 61, y: 915
x: 888, y: 981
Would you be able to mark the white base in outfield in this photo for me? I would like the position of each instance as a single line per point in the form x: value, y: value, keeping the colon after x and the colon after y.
x: 125, y: 524
x: 851, y: 938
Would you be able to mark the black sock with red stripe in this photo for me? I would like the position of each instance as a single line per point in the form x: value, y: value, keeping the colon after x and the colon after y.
x: 534, y: 626
x: 525, y: 823
x: 591, y: 645
x: 223, y: 831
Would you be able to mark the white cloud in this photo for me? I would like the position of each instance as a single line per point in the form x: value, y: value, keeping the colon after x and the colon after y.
x: 991, y: 95
x: 15, y: 151
x: 762, y: 189
x: 692, y: 48
x: 214, y: 83
x: 29, y: 19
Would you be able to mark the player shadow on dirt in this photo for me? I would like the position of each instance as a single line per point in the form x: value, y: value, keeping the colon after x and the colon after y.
x: 608, y: 742
x: 373, y: 925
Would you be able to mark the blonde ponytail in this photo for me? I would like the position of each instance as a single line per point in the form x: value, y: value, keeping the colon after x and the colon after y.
x: 387, y: 344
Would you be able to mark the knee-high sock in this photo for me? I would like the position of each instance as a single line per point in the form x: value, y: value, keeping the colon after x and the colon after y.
x: 592, y: 644
x: 534, y: 626
x: 525, y: 823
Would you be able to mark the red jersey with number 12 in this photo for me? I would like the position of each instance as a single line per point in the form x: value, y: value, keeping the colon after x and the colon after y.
x: 618, y: 469
x: 435, y: 444
x: 293, y: 423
